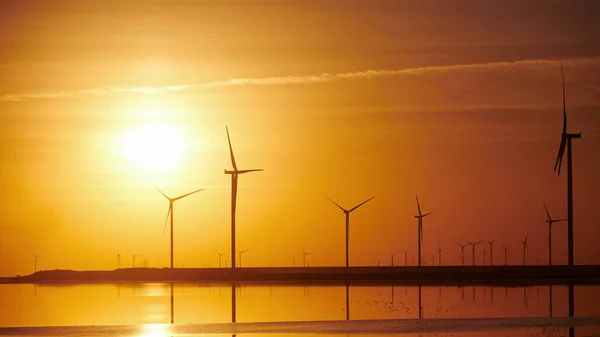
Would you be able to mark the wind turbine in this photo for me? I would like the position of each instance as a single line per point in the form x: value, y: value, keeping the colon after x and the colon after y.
x: 505, y: 254
x: 35, y: 259
x: 240, y: 252
x: 473, y: 244
x: 565, y: 142
x: 419, y: 218
x: 171, y: 213
x: 491, y: 251
x: 304, y: 255
x: 462, y: 252
x: 484, y: 251
x: 118, y: 260
x: 525, y: 248
x: 439, y: 252
x: 550, y: 221
x: 406, y: 258
x: 220, y: 256
x: 234, y: 183
x: 347, y: 213
x: 133, y: 257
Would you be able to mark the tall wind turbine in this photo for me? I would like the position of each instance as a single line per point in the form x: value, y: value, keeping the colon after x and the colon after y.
x: 220, y: 256
x: 234, y: 183
x: 462, y: 252
x: 473, y: 244
x: 118, y: 260
x: 505, y: 254
x: 439, y: 252
x: 35, y: 259
x: 347, y: 213
x: 525, y: 248
x: 171, y: 213
x: 419, y: 218
x: 491, y: 243
x: 550, y: 221
x: 304, y: 255
x: 240, y: 252
x: 565, y: 142
x: 406, y: 258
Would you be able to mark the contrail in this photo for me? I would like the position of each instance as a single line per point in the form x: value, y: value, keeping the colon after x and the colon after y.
x: 309, y: 79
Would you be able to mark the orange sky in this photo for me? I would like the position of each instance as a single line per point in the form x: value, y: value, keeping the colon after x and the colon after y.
x: 458, y: 103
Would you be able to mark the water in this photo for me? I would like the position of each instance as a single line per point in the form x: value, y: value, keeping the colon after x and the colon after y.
x: 143, y: 309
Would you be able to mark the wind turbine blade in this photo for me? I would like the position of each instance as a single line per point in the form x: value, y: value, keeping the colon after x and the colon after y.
x: 342, y: 208
x: 230, y: 149
x: 167, y: 219
x: 426, y: 214
x: 561, y: 151
x: 185, y: 195
x: 246, y: 171
x: 547, y: 213
x: 158, y: 189
x: 458, y: 243
x: 418, y: 205
x: 362, y: 203
x: 469, y: 242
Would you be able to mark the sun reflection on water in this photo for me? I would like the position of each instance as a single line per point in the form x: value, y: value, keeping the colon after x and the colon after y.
x: 155, y: 330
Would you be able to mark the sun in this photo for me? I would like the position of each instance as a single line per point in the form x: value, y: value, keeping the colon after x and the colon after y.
x: 155, y: 147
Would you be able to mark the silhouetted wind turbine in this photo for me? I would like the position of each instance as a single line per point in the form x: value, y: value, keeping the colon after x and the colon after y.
x: 565, y: 142
x: 491, y: 251
x: 171, y: 212
x: 133, y: 257
x: 419, y: 218
x: 483, y: 253
x: 473, y: 244
x: 525, y: 248
x: 240, y: 252
x: 304, y: 255
x: 462, y: 252
x: 220, y: 256
x: 505, y: 254
x: 347, y: 213
x: 406, y: 258
x: 118, y: 260
x: 439, y: 252
x: 35, y: 259
x: 234, y: 183
x: 550, y: 221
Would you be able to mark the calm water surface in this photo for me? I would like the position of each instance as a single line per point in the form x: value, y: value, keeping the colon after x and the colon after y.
x: 148, y: 306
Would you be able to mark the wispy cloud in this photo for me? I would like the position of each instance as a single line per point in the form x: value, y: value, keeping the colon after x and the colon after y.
x: 309, y: 79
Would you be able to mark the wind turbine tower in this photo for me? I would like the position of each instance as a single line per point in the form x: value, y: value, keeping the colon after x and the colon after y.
x: 234, y: 183
x: 347, y: 213
x: 220, y: 256
x: 462, y: 252
x: 491, y: 243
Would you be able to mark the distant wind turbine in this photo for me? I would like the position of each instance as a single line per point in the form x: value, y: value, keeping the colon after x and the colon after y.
x: 240, y: 252
x: 35, y: 259
x: 525, y: 248
x: 462, y: 252
x: 483, y: 253
x: 439, y: 252
x: 220, y: 256
x: 565, y: 142
x: 491, y: 243
x: 473, y: 244
x: 133, y: 257
x: 550, y: 221
x: 406, y: 258
x: 171, y: 213
x: 118, y: 260
x: 347, y: 213
x: 304, y: 255
x: 234, y: 184
x: 505, y: 254
x: 419, y: 218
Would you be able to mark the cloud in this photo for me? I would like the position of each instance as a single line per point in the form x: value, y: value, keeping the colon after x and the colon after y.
x: 309, y: 79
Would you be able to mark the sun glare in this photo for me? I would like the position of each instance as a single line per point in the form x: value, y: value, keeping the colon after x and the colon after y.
x: 155, y: 330
x: 155, y: 147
